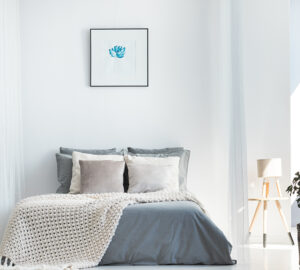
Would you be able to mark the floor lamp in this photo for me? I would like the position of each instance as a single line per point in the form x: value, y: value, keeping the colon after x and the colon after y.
x: 269, y: 170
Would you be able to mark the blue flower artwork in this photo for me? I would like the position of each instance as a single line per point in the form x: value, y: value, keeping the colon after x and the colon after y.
x: 117, y: 51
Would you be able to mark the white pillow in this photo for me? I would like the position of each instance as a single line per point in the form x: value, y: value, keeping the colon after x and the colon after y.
x: 149, y: 174
x: 76, y: 156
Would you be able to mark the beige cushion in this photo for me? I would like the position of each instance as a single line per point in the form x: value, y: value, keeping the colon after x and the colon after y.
x: 101, y: 176
x: 76, y: 156
x: 149, y: 174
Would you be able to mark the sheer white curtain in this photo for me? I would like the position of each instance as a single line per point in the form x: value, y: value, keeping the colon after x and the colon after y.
x: 238, y: 145
x: 11, y: 154
x: 230, y: 122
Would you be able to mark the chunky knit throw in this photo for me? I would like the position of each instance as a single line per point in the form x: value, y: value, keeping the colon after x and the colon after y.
x: 64, y: 229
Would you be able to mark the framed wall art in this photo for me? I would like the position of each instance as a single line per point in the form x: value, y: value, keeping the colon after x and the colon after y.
x: 119, y: 57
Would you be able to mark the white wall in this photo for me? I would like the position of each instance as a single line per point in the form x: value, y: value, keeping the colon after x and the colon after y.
x: 295, y: 44
x: 266, y: 81
x: 187, y: 69
x: 60, y: 109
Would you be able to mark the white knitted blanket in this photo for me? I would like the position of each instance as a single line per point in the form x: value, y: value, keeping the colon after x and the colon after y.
x: 75, y: 230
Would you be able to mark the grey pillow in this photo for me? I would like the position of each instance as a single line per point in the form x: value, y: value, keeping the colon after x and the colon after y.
x: 154, y: 151
x: 168, y: 152
x: 112, y: 151
x: 64, y: 172
x: 65, y: 164
x: 101, y: 176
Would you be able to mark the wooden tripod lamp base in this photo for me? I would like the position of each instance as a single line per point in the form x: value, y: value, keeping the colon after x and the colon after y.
x: 269, y: 169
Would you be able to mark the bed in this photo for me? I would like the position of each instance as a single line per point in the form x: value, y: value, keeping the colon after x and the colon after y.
x: 100, y: 224
x: 172, y: 232
x: 87, y: 230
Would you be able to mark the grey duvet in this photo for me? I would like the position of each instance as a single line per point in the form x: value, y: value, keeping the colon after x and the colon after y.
x: 167, y: 233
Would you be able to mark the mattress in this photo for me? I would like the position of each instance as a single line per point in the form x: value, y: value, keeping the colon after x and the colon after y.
x: 167, y: 233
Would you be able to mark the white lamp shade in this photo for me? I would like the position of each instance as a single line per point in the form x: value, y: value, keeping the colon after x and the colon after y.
x: 269, y: 167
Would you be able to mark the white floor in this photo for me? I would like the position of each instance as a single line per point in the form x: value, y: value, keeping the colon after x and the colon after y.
x: 274, y: 257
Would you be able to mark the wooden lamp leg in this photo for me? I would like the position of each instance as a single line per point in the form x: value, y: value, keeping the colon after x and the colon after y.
x: 278, y: 188
x: 265, y: 211
x: 282, y: 214
x: 284, y: 221
x: 265, y: 223
x: 264, y: 191
x: 254, y: 216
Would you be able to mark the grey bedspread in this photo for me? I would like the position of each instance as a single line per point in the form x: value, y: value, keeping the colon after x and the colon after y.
x: 167, y: 233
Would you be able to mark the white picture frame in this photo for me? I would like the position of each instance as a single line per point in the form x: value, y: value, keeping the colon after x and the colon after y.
x: 119, y: 57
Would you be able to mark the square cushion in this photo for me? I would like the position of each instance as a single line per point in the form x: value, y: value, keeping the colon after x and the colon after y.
x: 180, y: 152
x: 76, y: 156
x: 65, y: 164
x: 154, y: 151
x: 64, y: 172
x: 101, y: 176
x: 69, y: 151
x: 150, y: 174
